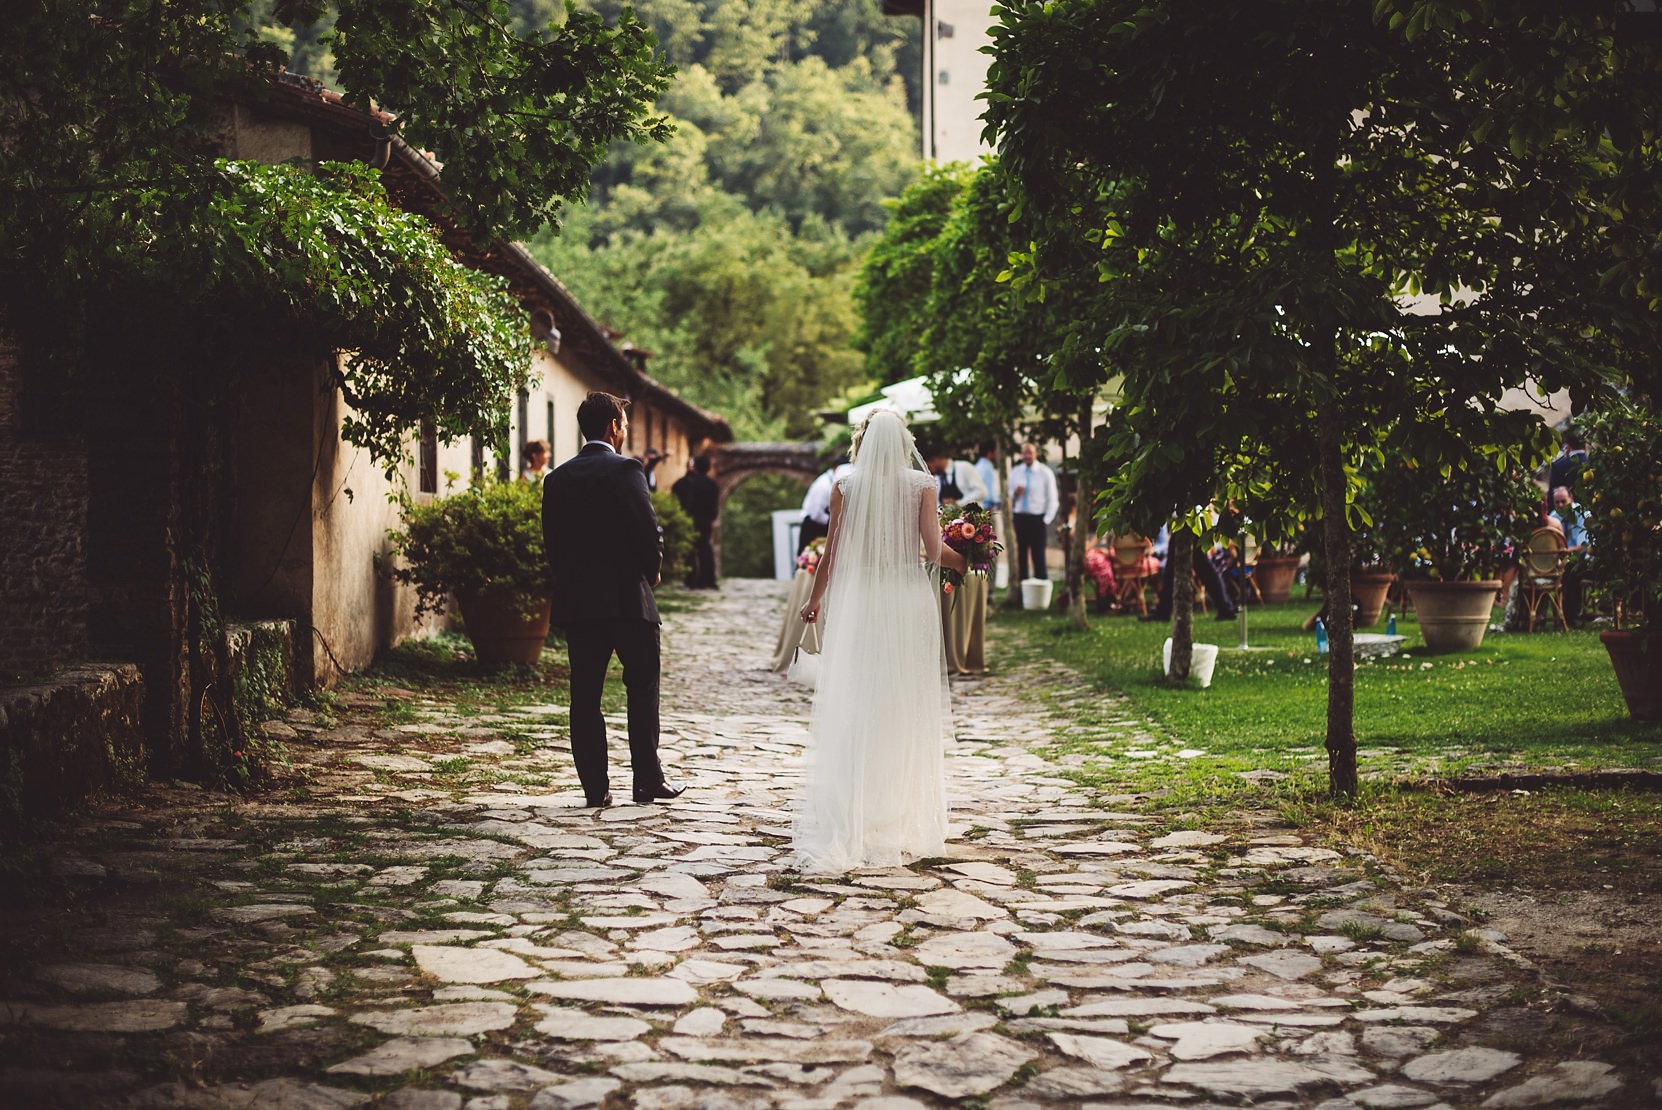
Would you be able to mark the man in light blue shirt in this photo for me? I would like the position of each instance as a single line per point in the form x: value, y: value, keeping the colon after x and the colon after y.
x: 986, y: 465
x: 1575, y: 536
x: 1033, y: 505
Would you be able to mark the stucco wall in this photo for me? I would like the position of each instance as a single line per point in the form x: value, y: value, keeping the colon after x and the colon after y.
x: 356, y: 611
x: 955, y: 76
x: 565, y: 382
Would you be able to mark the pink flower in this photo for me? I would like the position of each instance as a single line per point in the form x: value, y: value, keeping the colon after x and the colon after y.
x: 946, y: 587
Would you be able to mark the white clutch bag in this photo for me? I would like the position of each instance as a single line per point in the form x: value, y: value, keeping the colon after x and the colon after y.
x: 805, y: 663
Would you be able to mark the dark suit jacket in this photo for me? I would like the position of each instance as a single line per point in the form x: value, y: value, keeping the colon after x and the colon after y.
x: 604, y: 545
x: 700, y: 497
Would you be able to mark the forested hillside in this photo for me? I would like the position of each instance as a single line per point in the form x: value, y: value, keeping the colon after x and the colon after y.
x: 731, y: 251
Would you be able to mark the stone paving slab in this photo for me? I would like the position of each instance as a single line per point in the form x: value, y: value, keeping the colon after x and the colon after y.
x: 440, y: 925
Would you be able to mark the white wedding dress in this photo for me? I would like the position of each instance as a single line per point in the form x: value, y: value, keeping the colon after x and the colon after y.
x: 875, y: 791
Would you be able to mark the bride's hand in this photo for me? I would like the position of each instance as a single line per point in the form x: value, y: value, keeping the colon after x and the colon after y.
x: 810, y: 612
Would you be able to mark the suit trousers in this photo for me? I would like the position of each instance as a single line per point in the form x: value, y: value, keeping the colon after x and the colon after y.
x: 590, y: 645
x: 810, y: 531
x: 1030, y: 545
x: 701, y: 573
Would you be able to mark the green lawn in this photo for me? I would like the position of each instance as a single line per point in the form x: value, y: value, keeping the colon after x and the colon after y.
x: 1519, y: 702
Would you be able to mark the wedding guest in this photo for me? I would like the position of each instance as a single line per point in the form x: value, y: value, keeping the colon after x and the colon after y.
x: 699, y: 498
x: 649, y: 463
x: 1210, y: 580
x: 1099, y: 568
x: 955, y: 481
x: 536, y: 461
x: 1564, y: 468
x: 1033, y: 503
x: 986, y: 468
x: 816, y: 505
x: 1573, y: 522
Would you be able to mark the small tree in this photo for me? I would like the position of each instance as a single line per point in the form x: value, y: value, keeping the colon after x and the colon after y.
x: 1332, y: 220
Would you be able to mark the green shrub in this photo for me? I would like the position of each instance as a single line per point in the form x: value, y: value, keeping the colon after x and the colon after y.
x: 679, y: 533
x: 1621, y: 484
x: 486, y: 539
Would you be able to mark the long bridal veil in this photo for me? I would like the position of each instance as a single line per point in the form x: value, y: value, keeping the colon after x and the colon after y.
x: 875, y: 785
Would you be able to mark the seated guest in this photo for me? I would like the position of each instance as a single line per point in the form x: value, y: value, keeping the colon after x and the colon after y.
x: 1207, y: 574
x: 1099, y: 568
x: 1568, y: 516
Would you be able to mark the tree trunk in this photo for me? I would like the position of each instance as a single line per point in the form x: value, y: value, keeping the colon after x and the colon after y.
x: 1084, y: 499
x: 1007, y: 526
x: 1180, y: 556
x: 1341, y: 660
x: 1323, y: 281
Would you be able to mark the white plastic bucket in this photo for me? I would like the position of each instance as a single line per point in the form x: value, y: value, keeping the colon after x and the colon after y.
x: 1202, y: 658
x: 1035, y: 593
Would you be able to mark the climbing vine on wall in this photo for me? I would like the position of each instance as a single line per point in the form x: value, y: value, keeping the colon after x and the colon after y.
x: 326, y: 259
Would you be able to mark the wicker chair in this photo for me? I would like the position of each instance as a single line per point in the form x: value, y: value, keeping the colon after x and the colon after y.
x: 1131, y: 573
x: 1541, y: 573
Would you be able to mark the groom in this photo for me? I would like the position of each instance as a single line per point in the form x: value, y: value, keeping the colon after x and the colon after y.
x: 605, y: 549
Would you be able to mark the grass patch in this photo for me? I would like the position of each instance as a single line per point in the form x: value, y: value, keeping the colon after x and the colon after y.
x: 1521, y: 702
x: 1541, y: 701
x: 1543, y: 840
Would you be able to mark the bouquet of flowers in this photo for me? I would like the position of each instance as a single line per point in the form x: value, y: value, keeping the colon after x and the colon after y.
x: 968, y: 530
x: 811, y: 555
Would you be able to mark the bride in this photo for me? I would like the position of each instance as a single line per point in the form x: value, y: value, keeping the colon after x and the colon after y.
x: 876, y: 791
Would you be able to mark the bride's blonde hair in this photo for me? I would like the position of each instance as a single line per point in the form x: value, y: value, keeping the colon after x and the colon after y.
x: 860, y: 432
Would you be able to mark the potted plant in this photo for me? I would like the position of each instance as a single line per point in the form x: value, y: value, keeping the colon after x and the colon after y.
x: 484, y: 547
x: 1620, y: 489
x: 1450, y: 535
x: 1371, y: 576
x: 1274, y: 568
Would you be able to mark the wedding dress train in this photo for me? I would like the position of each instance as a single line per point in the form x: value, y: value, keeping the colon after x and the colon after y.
x: 875, y: 791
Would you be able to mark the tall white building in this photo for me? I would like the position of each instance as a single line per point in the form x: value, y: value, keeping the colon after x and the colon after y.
x: 954, y: 74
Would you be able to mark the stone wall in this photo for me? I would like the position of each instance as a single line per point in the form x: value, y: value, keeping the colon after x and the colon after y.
x: 43, y: 519
x: 69, y: 740
x: 78, y: 736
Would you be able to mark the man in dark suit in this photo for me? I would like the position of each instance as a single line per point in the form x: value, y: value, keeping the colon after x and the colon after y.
x: 700, y: 497
x: 605, y: 550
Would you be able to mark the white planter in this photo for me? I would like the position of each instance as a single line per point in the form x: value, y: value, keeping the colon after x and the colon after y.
x: 1035, y: 593
x: 1202, y: 658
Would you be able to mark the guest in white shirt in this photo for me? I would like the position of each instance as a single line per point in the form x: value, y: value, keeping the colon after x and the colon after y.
x: 1033, y: 505
x: 956, y: 481
x: 986, y: 468
x: 816, y: 506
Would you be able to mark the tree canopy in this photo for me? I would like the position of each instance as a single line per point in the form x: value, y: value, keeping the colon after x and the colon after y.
x: 113, y: 187
x: 1332, y: 222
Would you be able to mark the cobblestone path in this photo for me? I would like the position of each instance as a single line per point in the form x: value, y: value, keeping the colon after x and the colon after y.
x: 442, y: 926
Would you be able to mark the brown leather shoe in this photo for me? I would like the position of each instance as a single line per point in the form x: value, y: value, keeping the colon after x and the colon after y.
x: 599, y: 803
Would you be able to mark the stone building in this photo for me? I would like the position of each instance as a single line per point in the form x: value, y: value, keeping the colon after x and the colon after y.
x: 102, y: 654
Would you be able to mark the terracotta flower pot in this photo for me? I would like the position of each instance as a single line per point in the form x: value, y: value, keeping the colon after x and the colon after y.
x: 500, y: 631
x: 1368, y: 589
x: 1454, y: 615
x: 1637, y: 658
x: 1274, y: 575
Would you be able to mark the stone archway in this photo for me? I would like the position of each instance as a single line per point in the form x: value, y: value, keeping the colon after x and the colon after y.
x: 731, y: 464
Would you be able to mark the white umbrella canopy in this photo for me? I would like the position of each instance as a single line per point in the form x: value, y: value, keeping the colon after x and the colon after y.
x: 911, y: 398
